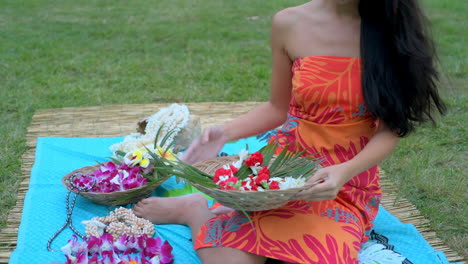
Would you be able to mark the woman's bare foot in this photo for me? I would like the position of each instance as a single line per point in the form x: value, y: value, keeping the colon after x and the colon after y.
x: 222, y: 210
x: 172, y: 210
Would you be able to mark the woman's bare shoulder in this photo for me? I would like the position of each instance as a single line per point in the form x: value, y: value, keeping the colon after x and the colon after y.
x: 290, y: 17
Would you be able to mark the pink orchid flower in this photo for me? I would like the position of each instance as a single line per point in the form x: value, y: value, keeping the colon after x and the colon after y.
x: 107, y: 247
x: 166, y: 253
x: 121, y: 244
x: 82, y: 257
x: 71, y: 247
x: 94, y: 258
x: 132, y: 245
x: 153, y: 247
x: 94, y: 244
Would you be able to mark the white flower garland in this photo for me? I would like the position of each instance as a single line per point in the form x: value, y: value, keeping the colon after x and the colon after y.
x: 175, y: 117
x: 121, y: 221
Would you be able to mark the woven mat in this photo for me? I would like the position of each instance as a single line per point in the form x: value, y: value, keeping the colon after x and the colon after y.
x: 120, y: 120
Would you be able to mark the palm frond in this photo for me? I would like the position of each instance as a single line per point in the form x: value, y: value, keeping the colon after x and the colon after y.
x: 243, y: 172
x: 156, y: 137
x: 268, y: 152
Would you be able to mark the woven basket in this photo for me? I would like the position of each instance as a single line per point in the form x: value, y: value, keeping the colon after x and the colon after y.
x: 248, y: 200
x: 109, y: 198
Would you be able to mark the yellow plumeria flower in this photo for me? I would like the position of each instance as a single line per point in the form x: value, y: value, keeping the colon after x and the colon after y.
x: 168, y: 154
x: 137, y: 157
x: 144, y: 163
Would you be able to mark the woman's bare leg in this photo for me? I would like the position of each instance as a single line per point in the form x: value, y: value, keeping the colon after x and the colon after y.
x: 192, y: 210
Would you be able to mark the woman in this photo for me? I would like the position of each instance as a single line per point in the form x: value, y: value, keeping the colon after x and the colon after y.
x: 349, y: 78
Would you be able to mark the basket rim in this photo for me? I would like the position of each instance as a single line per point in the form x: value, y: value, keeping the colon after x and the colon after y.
x: 288, y: 190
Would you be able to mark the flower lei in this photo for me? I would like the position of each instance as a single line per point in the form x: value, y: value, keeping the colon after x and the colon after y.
x: 126, y: 250
x: 173, y: 118
x: 259, y: 178
x: 129, y: 241
x: 120, y: 222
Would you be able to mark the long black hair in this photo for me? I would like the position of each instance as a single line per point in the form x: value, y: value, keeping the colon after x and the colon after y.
x: 399, y: 74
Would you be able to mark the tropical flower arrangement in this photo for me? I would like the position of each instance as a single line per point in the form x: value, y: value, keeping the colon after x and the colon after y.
x: 128, y: 177
x: 127, y: 171
x: 259, y: 178
x: 248, y: 182
x: 126, y: 250
x: 258, y: 171
x: 131, y: 166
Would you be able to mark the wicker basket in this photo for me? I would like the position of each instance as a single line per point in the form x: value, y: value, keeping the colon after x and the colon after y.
x: 109, y: 198
x: 248, y: 200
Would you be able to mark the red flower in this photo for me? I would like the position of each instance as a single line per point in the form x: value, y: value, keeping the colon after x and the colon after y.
x: 264, y: 170
x: 221, y: 172
x: 274, y: 185
x: 232, y: 180
x: 256, y: 159
x: 249, y: 184
x: 262, y: 178
x: 228, y: 184
x: 254, y: 187
x: 234, y: 169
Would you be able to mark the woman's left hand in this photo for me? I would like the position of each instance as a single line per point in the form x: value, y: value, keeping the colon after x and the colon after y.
x: 325, y: 183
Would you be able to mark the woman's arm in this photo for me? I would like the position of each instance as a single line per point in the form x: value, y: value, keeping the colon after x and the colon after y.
x: 332, y: 178
x: 264, y: 117
x: 273, y: 113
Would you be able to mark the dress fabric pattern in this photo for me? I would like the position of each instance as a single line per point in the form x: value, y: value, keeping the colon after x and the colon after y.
x: 327, y: 118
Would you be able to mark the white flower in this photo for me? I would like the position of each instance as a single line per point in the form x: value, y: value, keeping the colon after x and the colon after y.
x: 155, y: 260
x: 94, y: 223
x: 256, y: 168
x: 124, y: 174
x: 243, y: 154
x: 115, y: 180
x: 175, y: 117
x: 289, y: 182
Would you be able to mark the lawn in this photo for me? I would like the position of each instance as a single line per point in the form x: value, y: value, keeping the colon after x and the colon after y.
x: 99, y: 52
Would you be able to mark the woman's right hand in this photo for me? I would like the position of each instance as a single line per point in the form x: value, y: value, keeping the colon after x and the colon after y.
x: 206, y: 146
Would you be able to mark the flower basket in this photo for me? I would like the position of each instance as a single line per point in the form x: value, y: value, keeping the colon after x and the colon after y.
x: 112, y: 198
x: 248, y: 200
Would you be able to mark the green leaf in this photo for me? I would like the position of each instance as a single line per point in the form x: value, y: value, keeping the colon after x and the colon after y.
x: 156, y: 137
x: 116, y: 161
x: 120, y: 153
x: 165, y: 138
x: 268, y: 152
x: 243, y: 172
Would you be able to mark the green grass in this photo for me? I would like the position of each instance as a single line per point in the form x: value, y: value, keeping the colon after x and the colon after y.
x: 67, y: 53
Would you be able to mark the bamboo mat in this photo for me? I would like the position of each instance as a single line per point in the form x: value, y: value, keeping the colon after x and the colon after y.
x: 120, y: 120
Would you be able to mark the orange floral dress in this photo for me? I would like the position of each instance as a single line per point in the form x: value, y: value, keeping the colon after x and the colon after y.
x: 327, y: 118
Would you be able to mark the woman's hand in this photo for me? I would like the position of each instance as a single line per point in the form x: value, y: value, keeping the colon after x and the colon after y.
x: 325, y: 183
x: 205, y: 146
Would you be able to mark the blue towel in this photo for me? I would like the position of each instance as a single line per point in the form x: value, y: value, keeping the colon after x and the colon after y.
x: 44, y: 206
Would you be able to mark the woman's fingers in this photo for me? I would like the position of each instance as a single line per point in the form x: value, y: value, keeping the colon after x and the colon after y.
x: 204, y: 147
x: 320, y: 188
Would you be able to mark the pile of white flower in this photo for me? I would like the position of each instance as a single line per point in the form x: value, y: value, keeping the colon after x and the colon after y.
x: 175, y: 117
